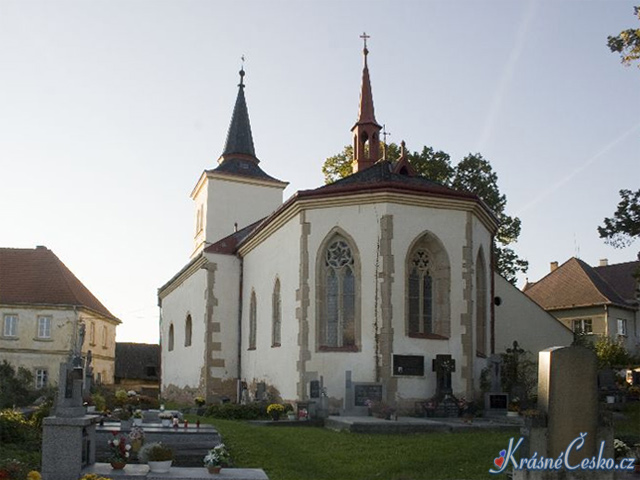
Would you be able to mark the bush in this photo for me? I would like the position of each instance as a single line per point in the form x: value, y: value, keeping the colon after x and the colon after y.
x: 155, y: 452
x: 235, y: 411
x: 16, y: 387
x: 14, y: 428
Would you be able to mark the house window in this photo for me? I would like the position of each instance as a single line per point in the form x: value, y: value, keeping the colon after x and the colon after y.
x: 105, y: 336
x: 276, y: 315
x: 427, y: 289
x: 10, y: 326
x: 583, y: 326
x: 44, y: 327
x: 92, y: 333
x: 481, y: 305
x: 622, y: 327
x: 187, y: 331
x: 339, y: 284
x: 170, y: 346
x: 253, y: 321
x: 42, y: 378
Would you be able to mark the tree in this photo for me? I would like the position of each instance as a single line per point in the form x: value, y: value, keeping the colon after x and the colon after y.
x: 15, y: 386
x: 627, y: 43
x: 472, y: 174
x: 611, y: 353
x: 624, y: 227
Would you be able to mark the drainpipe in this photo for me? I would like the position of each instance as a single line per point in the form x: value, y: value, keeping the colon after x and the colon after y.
x: 493, y: 297
x: 239, y: 381
x: 606, y: 320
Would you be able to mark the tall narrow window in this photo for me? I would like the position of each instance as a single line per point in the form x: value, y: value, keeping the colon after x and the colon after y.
x: 338, y: 291
x: 44, y: 327
x: 92, y: 333
x: 252, y: 321
x: 277, y: 315
x: 105, y: 336
x: 10, y: 326
x: 170, y: 346
x: 42, y: 378
x: 187, y: 331
x: 481, y: 305
x: 427, y: 291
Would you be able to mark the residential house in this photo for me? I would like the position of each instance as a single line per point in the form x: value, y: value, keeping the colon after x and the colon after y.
x: 42, y: 308
x: 138, y: 368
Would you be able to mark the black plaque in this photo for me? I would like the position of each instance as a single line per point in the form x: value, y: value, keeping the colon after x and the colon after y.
x: 367, y: 392
x: 408, y: 365
x: 314, y: 389
x: 498, y: 401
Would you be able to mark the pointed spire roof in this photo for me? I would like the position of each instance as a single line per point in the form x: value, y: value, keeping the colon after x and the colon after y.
x: 366, y: 112
x: 239, y: 138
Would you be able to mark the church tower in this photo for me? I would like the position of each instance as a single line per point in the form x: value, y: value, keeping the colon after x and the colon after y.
x: 237, y: 192
x: 366, y: 131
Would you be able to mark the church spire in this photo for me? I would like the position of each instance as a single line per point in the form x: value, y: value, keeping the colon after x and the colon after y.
x: 239, y: 138
x: 366, y: 143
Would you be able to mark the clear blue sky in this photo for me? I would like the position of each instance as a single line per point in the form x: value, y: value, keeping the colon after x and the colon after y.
x: 110, y: 110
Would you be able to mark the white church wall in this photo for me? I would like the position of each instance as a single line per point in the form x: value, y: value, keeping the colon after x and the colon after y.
x: 276, y: 257
x: 227, y: 204
x: 188, y: 298
x: 520, y: 318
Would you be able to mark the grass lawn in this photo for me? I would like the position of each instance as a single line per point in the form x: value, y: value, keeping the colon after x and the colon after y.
x: 301, y: 453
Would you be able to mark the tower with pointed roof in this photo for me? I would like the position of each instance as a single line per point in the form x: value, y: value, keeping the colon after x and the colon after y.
x: 366, y: 131
x: 222, y: 194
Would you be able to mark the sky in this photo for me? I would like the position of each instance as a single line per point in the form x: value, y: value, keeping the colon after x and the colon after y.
x: 111, y: 110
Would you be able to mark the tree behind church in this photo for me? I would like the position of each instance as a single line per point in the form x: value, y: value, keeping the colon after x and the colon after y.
x: 472, y: 174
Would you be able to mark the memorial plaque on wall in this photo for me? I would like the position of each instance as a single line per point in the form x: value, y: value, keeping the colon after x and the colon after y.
x: 365, y: 392
x: 314, y: 389
x: 408, y: 365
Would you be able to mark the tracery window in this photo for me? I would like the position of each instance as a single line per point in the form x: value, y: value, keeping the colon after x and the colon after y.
x: 253, y: 321
x: 276, y: 316
x: 420, y: 293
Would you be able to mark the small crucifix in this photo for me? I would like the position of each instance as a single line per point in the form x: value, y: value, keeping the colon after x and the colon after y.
x: 385, y: 134
x: 364, y: 36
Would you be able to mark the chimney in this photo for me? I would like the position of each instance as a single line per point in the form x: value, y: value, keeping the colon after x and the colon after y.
x: 604, y: 262
x: 554, y: 265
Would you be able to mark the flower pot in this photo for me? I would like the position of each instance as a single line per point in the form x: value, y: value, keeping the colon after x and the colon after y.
x: 291, y: 417
x: 215, y: 469
x: 160, y: 467
x: 135, y: 445
x: 118, y: 465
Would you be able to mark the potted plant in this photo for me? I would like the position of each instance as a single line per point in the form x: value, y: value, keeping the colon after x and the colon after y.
x: 275, y: 410
x: 136, y: 437
x: 291, y: 414
x: 165, y: 418
x: 125, y: 418
x: 118, y: 451
x: 217, y: 458
x: 137, y: 417
x: 158, y: 456
x: 513, y: 409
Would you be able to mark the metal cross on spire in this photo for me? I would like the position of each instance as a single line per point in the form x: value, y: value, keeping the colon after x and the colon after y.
x: 241, y: 72
x: 364, y: 37
x: 385, y: 134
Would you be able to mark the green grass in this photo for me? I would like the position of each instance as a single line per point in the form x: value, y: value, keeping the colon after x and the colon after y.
x: 305, y: 453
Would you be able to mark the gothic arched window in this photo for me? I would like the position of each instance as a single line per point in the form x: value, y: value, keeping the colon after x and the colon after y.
x: 276, y: 307
x: 170, y: 346
x: 428, y: 282
x: 253, y: 310
x: 338, y: 294
x: 481, y: 305
x: 188, y: 330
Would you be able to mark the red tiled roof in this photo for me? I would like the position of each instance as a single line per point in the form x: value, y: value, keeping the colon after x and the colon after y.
x: 573, y: 284
x: 623, y: 277
x: 38, y: 277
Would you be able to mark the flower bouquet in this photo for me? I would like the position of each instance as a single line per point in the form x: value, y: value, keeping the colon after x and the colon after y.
x: 136, y: 437
x: 118, y: 451
x: 217, y: 458
x: 275, y: 410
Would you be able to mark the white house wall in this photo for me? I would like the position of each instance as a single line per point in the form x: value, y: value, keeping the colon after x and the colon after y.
x: 520, y: 318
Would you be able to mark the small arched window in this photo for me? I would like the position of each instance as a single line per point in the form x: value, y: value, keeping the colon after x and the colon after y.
x: 481, y: 305
x: 170, y: 346
x: 338, y: 287
x: 276, y: 328
x: 188, y: 327
x: 253, y: 321
x: 428, y: 281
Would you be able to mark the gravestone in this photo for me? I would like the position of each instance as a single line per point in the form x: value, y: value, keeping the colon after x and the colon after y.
x: 314, y: 389
x: 567, y: 408
x: 358, y: 393
x: 495, y: 400
x: 444, y: 366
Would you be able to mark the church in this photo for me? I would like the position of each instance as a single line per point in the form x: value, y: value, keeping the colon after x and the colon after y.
x: 369, y: 280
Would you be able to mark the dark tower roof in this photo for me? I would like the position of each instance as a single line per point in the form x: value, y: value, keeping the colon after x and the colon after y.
x: 239, y: 138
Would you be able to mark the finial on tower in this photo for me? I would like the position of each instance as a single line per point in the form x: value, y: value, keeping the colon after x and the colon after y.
x: 241, y: 84
x: 364, y: 37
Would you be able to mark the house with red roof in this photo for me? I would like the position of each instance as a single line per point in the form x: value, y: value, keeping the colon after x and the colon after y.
x: 43, y: 310
x: 601, y: 300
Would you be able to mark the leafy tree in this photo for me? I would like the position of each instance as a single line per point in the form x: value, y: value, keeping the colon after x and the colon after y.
x: 472, y: 174
x: 15, y: 386
x: 627, y: 43
x: 624, y: 227
x: 611, y: 353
